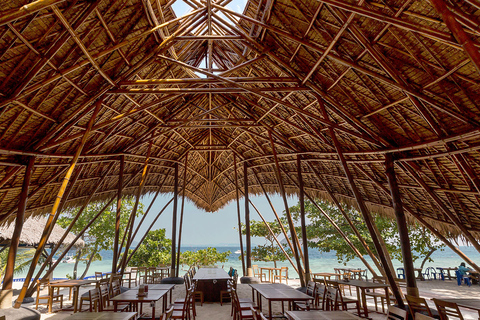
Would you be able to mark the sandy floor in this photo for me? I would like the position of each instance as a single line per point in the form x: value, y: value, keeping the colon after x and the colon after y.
x: 428, y: 290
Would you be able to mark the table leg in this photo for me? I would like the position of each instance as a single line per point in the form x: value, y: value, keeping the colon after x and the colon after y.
x: 270, y: 309
x: 387, y: 295
x: 152, y: 304
x: 115, y: 306
x: 75, y: 299
x: 50, y: 301
x: 364, y: 303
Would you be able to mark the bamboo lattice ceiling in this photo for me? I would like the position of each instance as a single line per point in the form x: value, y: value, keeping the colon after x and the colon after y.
x: 286, y: 78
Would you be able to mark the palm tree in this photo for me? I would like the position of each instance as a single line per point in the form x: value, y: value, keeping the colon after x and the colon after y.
x: 22, y: 260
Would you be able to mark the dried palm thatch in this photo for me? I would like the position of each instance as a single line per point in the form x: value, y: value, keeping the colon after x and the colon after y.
x: 317, y: 79
x: 32, y: 232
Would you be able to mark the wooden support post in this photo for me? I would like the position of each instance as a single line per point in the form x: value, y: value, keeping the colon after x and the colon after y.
x: 457, y: 30
x: 301, y: 199
x: 247, y: 222
x: 174, y: 273
x: 402, y: 226
x: 116, y: 249
x: 143, y: 180
x: 293, y: 234
x: 6, y: 301
x: 382, y: 253
x: 67, y: 231
x: 148, y: 230
x: 54, y: 212
x: 181, y: 211
x: 238, y: 212
x: 352, y: 226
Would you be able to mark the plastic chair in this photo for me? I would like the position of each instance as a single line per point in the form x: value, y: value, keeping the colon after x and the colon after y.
x: 441, y: 273
x: 461, y: 277
x: 400, y: 273
x: 433, y: 273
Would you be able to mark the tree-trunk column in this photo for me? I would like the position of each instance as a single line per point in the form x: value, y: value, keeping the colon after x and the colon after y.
x: 247, y: 222
x: 174, y: 221
x: 402, y: 226
x: 6, y: 294
x: 301, y: 199
x: 116, y: 252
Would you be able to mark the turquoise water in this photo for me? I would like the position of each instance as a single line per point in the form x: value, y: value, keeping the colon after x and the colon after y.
x: 319, y: 262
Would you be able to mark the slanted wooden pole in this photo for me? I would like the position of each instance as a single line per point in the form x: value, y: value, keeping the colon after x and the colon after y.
x: 402, y: 226
x: 238, y: 213
x: 181, y: 211
x: 174, y: 273
x: 382, y: 253
x: 116, y: 251
x: 301, y: 199
x: 86, y: 202
x: 293, y: 234
x: 247, y: 222
x: 457, y: 30
x: 54, y: 213
x: 12, y: 252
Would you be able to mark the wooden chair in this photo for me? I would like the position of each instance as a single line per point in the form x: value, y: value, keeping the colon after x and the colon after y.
x: 181, y: 308
x: 335, y: 301
x: 283, y: 274
x: 421, y: 316
x: 98, y: 275
x: 130, y: 277
x: 311, y: 291
x: 244, y: 310
x: 227, y: 293
x: 94, y: 299
x: 395, y: 313
x: 417, y: 305
x: 447, y: 310
x: 258, y: 274
x: 57, y: 297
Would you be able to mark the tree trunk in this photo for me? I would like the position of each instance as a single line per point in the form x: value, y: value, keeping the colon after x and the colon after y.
x: 89, y: 262
x: 75, y: 267
x: 432, y: 250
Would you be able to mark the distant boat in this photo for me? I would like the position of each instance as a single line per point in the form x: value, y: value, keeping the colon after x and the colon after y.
x: 69, y: 259
x: 238, y: 251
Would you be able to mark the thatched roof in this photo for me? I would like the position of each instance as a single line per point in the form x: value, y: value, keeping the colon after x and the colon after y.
x: 285, y: 77
x: 32, y: 232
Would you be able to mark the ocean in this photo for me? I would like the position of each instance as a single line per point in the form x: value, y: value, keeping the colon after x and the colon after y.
x: 319, y: 262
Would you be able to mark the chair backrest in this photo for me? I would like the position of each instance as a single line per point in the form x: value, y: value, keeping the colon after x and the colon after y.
x: 115, y: 288
x: 395, y: 313
x: 284, y: 269
x: 319, y: 296
x: 331, y: 299
x: 447, y: 310
x: 104, y: 295
x: 421, y: 316
x: 94, y: 297
x: 310, y: 289
x: 417, y: 305
x: 98, y: 275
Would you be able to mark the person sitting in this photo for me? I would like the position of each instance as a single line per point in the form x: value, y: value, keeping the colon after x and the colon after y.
x: 463, y: 269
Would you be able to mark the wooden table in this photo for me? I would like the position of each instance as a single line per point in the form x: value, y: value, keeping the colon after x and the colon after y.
x: 75, y: 284
x: 473, y: 304
x: 102, y: 316
x: 161, y: 286
x: 321, y: 315
x: 131, y: 296
x: 326, y: 275
x: 277, y: 292
x: 362, y: 286
x: 211, y: 281
x: 270, y: 271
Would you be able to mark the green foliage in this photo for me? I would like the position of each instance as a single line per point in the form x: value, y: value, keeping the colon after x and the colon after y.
x: 323, y: 236
x: 23, y: 260
x: 203, y: 257
x: 268, y: 252
x: 101, y: 234
x: 155, y: 250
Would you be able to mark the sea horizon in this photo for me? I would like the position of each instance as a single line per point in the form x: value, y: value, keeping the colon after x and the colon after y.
x: 319, y: 262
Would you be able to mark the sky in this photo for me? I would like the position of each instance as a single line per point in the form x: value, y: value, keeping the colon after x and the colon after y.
x: 202, y: 228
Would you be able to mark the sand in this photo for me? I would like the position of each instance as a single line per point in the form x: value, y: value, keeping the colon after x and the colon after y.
x: 428, y: 289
